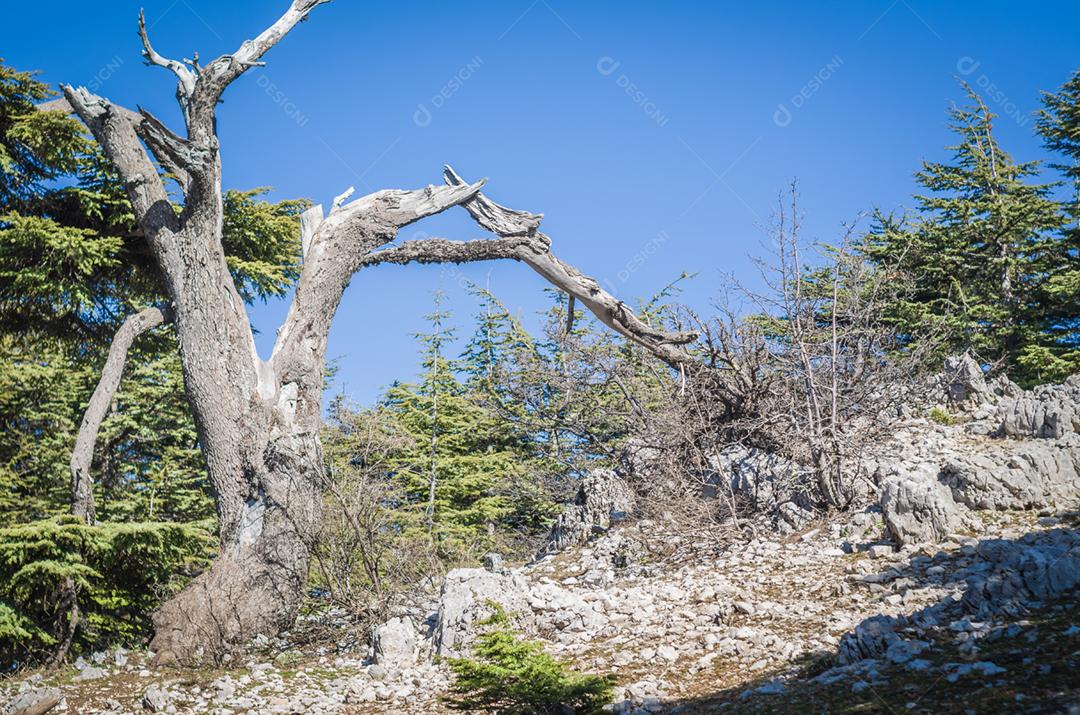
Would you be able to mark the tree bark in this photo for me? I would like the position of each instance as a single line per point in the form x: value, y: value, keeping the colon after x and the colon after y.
x: 82, y: 456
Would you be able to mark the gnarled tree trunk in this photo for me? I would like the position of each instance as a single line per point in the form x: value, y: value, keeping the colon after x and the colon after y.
x: 258, y: 420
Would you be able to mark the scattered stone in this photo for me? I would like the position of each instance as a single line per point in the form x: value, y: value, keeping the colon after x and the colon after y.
x: 34, y: 701
x: 155, y: 699
x: 91, y: 672
x: 880, y: 551
x: 394, y: 643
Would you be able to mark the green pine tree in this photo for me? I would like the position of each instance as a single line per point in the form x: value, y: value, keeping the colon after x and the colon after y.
x: 460, y: 454
x: 981, y: 251
x: 1059, y: 126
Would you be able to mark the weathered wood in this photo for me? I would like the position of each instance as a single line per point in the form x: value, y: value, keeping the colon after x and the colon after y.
x: 185, y: 77
x: 82, y: 456
x: 536, y: 252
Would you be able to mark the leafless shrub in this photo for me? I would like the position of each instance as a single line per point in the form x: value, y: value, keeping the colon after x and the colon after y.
x: 802, y: 377
x: 361, y: 555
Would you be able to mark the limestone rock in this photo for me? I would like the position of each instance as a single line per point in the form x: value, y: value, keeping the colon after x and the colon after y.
x: 394, y: 643
x: 91, y: 672
x: 1048, y: 411
x: 155, y: 699
x: 918, y: 509
x: 755, y: 474
x: 1032, y: 475
x: 465, y: 599
x: 1020, y: 573
x: 965, y: 383
x: 871, y: 639
x: 35, y: 701
x: 602, y: 499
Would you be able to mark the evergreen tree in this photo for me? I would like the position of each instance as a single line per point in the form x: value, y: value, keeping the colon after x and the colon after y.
x: 1059, y: 126
x: 982, y: 253
x: 460, y: 452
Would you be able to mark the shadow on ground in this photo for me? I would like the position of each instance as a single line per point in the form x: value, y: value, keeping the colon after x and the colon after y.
x: 1035, y: 648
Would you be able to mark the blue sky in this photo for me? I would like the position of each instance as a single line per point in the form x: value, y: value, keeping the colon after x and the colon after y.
x: 654, y: 136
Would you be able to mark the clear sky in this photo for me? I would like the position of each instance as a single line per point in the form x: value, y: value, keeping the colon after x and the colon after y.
x: 654, y: 136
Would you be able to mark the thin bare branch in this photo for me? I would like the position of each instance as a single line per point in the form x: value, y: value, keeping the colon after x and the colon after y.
x: 219, y: 73
x: 82, y: 456
x: 186, y: 77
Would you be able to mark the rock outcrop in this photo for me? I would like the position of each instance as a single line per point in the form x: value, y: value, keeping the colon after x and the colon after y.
x: 965, y: 383
x: 877, y: 638
x: 1017, y: 574
x: 1046, y: 412
x: 1029, y: 474
x: 465, y: 600
x: 1010, y: 450
x: 918, y: 509
x: 603, y: 499
x: 767, y: 482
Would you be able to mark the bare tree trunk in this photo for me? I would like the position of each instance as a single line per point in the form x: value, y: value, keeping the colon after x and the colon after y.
x: 259, y: 578
x: 258, y: 420
x: 82, y: 456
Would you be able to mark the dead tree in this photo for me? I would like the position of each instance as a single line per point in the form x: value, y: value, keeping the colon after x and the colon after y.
x: 258, y: 420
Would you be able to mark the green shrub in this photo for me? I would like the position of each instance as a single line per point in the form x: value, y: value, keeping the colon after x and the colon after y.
x: 512, y: 676
x: 121, y: 571
x: 942, y: 417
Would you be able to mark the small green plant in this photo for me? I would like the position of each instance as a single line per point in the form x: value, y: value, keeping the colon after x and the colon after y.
x: 511, y: 676
x: 120, y: 570
x: 942, y: 417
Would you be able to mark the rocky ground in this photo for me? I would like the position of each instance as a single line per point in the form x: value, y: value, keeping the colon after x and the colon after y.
x: 772, y: 625
x: 955, y: 591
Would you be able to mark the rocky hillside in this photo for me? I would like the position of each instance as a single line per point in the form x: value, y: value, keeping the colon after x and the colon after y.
x: 954, y: 590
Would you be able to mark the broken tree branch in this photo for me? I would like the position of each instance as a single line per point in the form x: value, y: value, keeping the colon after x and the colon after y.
x: 116, y: 129
x: 82, y: 456
x: 218, y: 74
x: 335, y: 247
x: 441, y: 250
x: 186, y: 77
x: 535, y: 250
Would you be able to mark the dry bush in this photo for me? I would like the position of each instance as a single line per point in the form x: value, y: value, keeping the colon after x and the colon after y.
x: 361, y: 555
x: 798, y: 380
